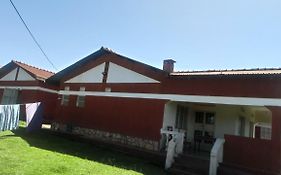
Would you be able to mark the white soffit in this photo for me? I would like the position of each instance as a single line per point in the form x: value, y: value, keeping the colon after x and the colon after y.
x: 249, y: 101
x: 118, y: 74
x: 93, y: 75
x: 11, y: 76
x: 24, y: 76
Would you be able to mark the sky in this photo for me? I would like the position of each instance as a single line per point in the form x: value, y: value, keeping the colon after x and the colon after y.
x: 197, y: 34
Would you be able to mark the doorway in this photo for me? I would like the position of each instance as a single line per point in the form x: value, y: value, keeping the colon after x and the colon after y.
x: 204, y: 127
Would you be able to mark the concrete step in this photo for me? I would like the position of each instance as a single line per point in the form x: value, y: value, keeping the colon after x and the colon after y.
x: 193, y: 160
x: 175, y: 171
x: 192, y: 168
x: 190, y: 164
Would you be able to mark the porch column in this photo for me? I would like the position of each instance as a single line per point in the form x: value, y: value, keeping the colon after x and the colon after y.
x: 276, y: 138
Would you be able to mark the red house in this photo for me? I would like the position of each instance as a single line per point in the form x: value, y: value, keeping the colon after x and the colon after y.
x: 203, y: 122
x: 232, y: 118
x: 22, y: 83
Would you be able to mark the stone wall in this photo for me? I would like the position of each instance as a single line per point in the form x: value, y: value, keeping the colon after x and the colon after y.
x: 107, y: 136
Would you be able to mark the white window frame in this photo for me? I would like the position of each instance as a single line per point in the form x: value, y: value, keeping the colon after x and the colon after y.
x: 65, y: 98
x: 80, y: 101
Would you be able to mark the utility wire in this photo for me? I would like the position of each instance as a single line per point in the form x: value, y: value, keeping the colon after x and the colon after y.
x: 32, y: 36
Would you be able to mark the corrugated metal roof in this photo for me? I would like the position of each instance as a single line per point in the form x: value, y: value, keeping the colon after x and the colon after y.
x: 257, y: 71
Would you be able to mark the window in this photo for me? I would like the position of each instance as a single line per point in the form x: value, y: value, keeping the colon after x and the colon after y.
x: 65, y: 98
x: 265, y: 133
x: 210, y: 118
x: 205, y: 117
x: 181, y: 118
x: 10, y: 96
x: 80, y: 102
x: 199, y: 117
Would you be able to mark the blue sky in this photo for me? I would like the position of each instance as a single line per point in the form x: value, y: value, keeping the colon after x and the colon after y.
x: 198, y: 34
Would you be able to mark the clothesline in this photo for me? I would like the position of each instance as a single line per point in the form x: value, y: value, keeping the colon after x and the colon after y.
x: 9, y: 116
x: 21, y: 104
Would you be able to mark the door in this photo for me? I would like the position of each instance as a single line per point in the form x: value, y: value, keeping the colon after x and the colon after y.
x: 204, y: 128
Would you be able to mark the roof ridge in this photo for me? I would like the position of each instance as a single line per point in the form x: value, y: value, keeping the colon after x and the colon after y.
x: 107, y: 49
x: 15, y: 61
x: 229, y: 70
x: 126, y: 57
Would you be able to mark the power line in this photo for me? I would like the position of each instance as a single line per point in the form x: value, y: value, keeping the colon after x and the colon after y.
x: 32, y: 36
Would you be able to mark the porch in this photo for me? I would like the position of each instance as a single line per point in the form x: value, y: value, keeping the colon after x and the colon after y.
x: 217, y: 133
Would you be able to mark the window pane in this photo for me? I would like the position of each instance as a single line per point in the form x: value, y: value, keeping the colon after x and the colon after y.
x: 210, y: 118
x: 65, y: 100
x: 265, y: 133
x: 198, y: 133
x: 209, y: 137
x: 209, y: 134
x: 199, y: 117
x: 80, y: 101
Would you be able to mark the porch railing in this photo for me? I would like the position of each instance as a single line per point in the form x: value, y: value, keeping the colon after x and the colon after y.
x: 216, y: 156
x: 174, y: 146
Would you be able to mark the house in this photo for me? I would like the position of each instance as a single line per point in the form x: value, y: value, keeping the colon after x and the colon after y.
x: 231, y: 117
x: 203, y: 122
x: 22, y: 83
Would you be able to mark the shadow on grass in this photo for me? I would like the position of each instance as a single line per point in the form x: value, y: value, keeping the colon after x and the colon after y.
x: 7, y: 136
x: 45, y: 140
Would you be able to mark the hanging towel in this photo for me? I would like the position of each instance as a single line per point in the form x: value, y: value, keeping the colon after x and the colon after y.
x: 9, y: 117
x: 34, y: 116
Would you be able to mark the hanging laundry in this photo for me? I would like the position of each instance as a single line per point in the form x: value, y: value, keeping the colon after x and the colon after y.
x: 9, y: 117
x: 34, y: 116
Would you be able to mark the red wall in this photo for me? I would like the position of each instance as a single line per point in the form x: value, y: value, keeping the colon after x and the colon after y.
x: 225, y: 86
x: 250, y: 153
x: 232, y: 87
x: 133, y: 117
x: 276, y: 135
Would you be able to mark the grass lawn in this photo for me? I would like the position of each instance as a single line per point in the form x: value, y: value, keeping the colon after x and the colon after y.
x: 40, y: 153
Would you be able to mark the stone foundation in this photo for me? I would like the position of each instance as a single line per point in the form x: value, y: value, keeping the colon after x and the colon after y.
x: 107, y: 136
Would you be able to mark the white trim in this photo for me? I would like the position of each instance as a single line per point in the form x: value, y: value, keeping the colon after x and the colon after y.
x: 249, y: 101
x: 30, y: 88
x: 184, y: 98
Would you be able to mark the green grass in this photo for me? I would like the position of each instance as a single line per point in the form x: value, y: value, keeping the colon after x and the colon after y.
x: 23, y: 153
